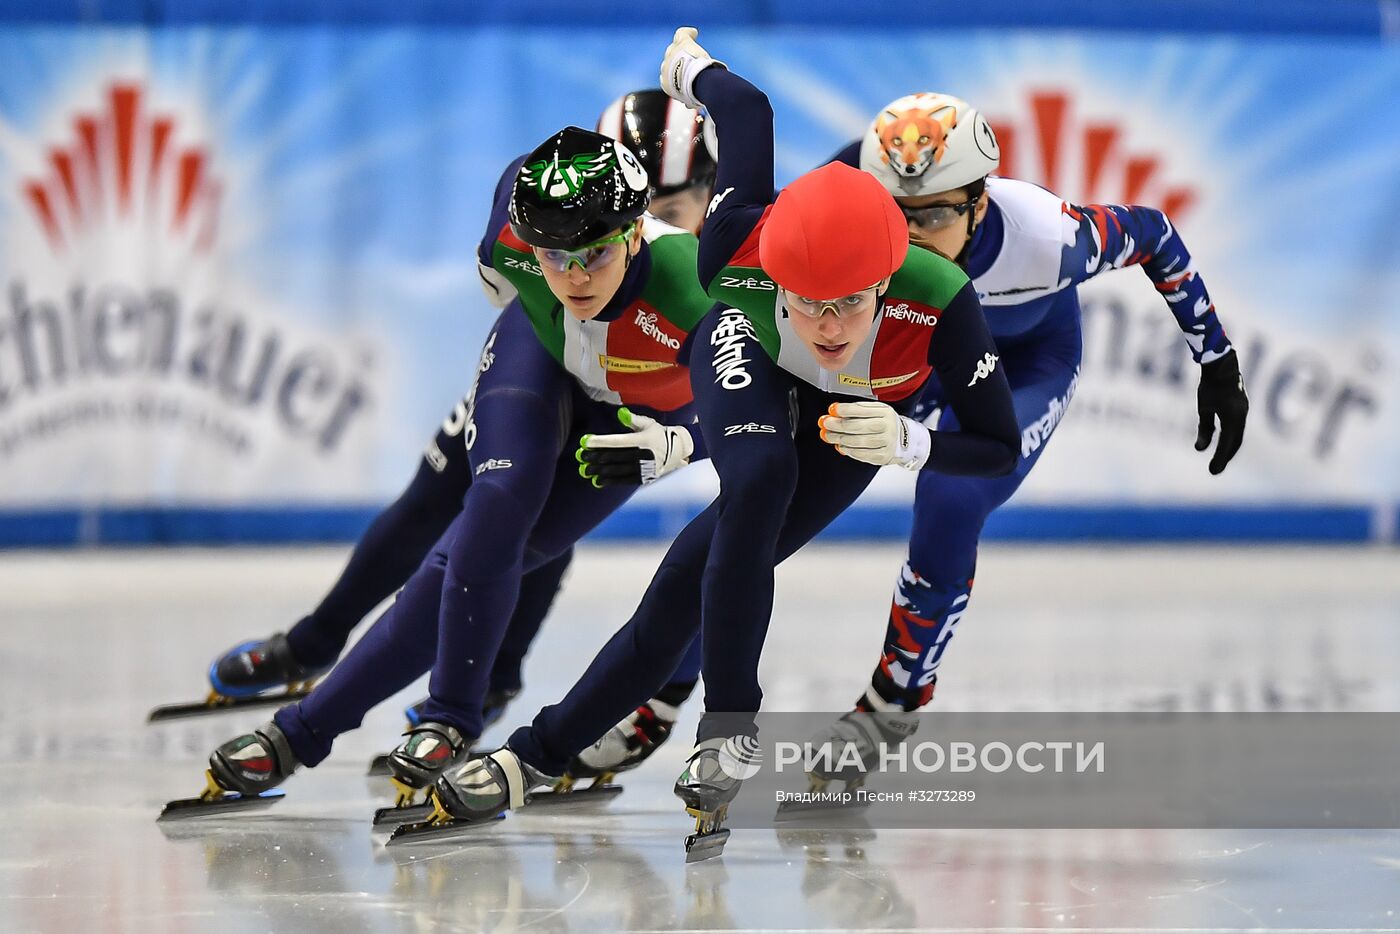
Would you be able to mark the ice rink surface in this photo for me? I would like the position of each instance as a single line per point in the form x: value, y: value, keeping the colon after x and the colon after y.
x: 90, y: 641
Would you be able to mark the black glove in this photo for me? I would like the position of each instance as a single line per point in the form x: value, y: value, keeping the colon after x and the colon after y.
x: 1221, y: 395
x: 644, y: 454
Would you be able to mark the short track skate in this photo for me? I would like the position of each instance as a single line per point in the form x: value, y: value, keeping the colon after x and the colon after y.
x: 406, y: 809
x: 428, y: 750
x: 827, y: 799
x: 379, y: 765
x: 220, y: 703
x: 710, y: 835
x: 437, y: 826
x: 257, y: 673
x: 216, y: 801
x: 707, y: 787
x: 566, y: 794
x: 493, y: 709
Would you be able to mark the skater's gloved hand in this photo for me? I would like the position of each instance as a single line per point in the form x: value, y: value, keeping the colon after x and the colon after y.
x: 649, y: 452
x: 875, y: 433
x: 1221, y: 395
x: 684, y: 59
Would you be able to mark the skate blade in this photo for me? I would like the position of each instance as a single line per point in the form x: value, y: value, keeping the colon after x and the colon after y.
x: 580, y: 799
x: 217, y: 703
x: 703, y: 846
x: 189, y: 808
x: 795, y: 810
x: 427, y: 832
x: 408, y: 814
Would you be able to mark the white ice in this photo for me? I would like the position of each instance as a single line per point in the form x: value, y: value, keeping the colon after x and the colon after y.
x: 89, y: 641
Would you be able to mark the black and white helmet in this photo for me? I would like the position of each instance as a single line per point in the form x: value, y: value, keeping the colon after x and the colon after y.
x: 668, y: 137
x: 576, y: 187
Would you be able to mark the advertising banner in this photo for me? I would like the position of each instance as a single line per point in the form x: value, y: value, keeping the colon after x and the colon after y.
x: 237, y: 264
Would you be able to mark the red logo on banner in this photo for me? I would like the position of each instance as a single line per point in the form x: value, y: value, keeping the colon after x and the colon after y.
x: 1106, y: 172
x: 122, y: 166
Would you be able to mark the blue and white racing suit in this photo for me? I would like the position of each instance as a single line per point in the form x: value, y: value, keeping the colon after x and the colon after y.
x: 1026, y: 259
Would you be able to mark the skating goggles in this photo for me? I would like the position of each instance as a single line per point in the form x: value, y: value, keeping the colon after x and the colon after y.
x: 843, y: 307
x: 938, y: 216
x: 590, y: 258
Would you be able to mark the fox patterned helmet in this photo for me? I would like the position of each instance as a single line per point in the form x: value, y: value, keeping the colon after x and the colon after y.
x: 577, y: 187
x: 926, y: 143
x: 667, y: 136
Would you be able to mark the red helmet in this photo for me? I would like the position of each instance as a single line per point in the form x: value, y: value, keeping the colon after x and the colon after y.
x: 833, y: 232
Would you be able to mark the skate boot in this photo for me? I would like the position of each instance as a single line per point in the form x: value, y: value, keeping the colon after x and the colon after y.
x: 493, y: 707
x: 475, y: 793
x: 253, y: 674
x: 626, y: 746
x: 243, y: 774
x: 712, y: 777
x: 413, y: 713
x: 426, y: 752
x: 849, y: 749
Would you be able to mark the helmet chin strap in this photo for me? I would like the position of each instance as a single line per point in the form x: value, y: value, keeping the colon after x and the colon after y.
x: 977, y: 189
x: 961, y: 259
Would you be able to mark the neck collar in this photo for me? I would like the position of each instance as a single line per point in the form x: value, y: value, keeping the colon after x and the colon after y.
x: 986, y: 242
x: 633, y: 281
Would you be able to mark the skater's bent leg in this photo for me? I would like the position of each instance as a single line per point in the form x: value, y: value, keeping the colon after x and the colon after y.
x: 827, y: 483
x: 634, y: 663
x: 758, y: 474
x: 573, y: 509
x: 397, y: 648
x: 935, y: 585
x: 538, y: 590
x: 757, y: 471
x: 395, y: 543
x: 482, y: 581
x: 391, y: 548
x: 756, y: 487
x: 683, y: 679
x: 522, y: 411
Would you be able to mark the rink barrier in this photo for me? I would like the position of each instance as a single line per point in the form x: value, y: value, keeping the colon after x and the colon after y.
x: 1255, y: 524
x: 1278, y: 17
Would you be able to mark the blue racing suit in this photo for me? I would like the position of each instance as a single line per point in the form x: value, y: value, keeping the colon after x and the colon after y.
x: 1025, y: 259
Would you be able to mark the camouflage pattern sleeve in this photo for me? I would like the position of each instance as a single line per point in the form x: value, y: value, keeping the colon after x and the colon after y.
x: 1111, y: 236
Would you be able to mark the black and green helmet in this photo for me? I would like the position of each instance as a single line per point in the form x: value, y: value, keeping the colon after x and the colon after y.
x: 576, y: 188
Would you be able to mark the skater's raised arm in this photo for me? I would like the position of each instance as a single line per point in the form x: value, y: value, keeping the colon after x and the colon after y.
x: 743, y: 122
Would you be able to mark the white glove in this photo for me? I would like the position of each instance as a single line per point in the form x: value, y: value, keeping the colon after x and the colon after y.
x: 876, y: 434
x: 684, y: 59
x: 649, y: 452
